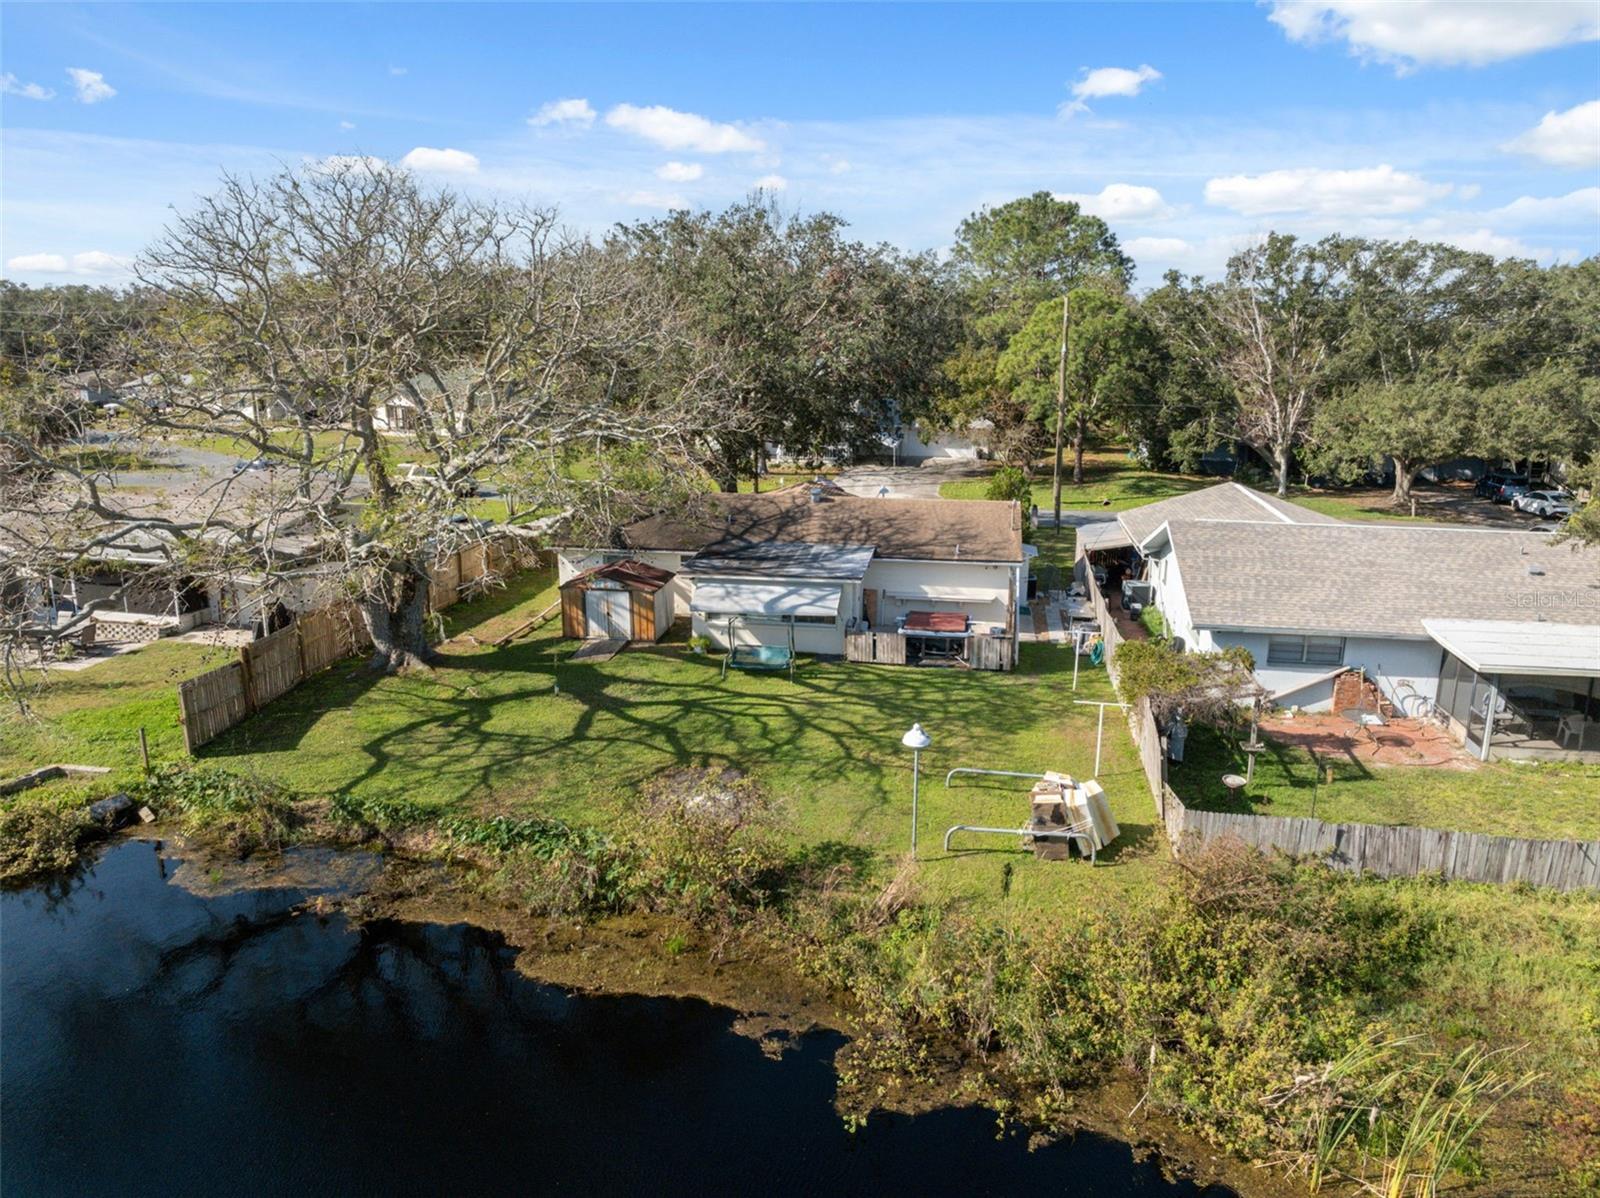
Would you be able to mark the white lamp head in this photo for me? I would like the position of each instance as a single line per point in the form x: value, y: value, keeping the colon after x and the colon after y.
x: 916, y: 738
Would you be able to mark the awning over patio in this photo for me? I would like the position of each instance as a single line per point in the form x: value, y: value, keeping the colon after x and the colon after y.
x: 732, y: 598
x: 1521, y: 646
x: 1103, y: 534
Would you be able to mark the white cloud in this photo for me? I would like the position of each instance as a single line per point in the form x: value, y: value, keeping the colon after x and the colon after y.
x: 398, y: 70
x: 563, y: 112
x: 1468, y: 191
x: 655, y: 199
x: 1411, y: 33
x: 1581, y: 207
x: 444, y: 161
x: 1121, y: 201
x: 89, y: 262
x: 680, y: 172
x: 1100, y: 82
x: 1487, y: 241
x: 674, y: 130
x: 771, y: 183
x: 1371, y: 191
x: 53, y: 264
x: 838, y: 166
x: 98, y: 262
x: 1157, y: 247
x: 90, y: 86
x: 11, y: 86
x: 1570, y: 138
x: 347, y: 125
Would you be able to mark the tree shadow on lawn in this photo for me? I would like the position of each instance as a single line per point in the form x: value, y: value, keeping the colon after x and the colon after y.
x: 1210, y: 754
x: 490, y: 724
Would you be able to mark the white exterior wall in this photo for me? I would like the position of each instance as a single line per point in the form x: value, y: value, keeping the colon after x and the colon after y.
x: 1171, y: 599
x: 948, y: 446
x: 998, y: 581
x: 824, y: 639
x: 1400, y: 667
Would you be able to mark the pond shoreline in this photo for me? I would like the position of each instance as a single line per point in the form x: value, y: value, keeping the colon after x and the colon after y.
x: 660, y: 957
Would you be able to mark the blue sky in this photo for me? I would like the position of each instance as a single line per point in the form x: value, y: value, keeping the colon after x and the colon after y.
x: 1191, y: 127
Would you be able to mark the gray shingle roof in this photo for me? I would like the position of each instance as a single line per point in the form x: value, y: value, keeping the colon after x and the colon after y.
x: 1378, y: 579
x: 978, y: 530
x: 1225, y: 501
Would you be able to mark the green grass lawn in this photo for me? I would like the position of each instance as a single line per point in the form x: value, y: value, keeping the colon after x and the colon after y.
x: 1555, y: 800
x: 1112, y: 481
x: 1365, y: 504
x: 487, y: 734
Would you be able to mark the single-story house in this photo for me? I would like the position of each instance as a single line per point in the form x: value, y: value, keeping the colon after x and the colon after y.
x: 817, y: 565
x: 1496, y: 631
x: 626, y: 599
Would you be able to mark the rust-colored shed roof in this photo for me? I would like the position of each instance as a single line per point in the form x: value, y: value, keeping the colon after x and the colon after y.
x: 630, y: 572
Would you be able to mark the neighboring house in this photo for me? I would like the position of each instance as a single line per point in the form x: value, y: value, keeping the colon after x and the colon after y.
x: 916, y: 444
x: 447, y: 405
x: 809, y: 563
x: 1499, y: 631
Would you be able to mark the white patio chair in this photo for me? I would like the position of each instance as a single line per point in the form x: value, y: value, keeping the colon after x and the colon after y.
x: 1572, y: 724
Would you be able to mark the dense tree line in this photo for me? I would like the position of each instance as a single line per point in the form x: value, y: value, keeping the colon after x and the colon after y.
x: 1330, y: 359
x: 296, y: 314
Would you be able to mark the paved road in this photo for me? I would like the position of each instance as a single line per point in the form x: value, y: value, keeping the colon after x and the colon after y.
x: 907, y: 482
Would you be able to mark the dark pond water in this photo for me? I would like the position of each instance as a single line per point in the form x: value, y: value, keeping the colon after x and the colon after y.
x: 159, y: 1042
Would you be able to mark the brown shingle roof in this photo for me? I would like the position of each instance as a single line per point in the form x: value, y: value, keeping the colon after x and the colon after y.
x: 1378, y: 579
x: 920, y: 529
x: 1225, y: 501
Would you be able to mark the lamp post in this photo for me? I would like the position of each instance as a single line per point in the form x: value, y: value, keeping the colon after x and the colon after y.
x: 916, y: 740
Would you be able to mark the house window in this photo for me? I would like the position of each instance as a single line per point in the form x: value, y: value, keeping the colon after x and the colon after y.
x: 1305, y: 650
x: 828, y: 620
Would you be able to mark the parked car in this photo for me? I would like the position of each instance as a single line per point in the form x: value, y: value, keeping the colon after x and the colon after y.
x: 1509, y: 489
x: 1530, y: 501
x: 241, y: 466
x: 1548, y: 526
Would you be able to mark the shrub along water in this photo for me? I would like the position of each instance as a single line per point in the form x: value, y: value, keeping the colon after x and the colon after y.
x: 1251, y: 998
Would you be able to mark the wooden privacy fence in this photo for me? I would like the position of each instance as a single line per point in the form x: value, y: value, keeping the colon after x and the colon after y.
x: 267, y: 669
x: 1381, y: 850
x: 889, y: 648
x: 271, y: 667
x: 1390, y: 851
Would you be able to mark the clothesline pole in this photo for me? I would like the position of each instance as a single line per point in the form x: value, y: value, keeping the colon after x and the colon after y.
x: 1100, y: 730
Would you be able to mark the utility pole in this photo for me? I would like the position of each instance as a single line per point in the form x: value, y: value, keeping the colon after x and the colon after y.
x: 1061, y: 401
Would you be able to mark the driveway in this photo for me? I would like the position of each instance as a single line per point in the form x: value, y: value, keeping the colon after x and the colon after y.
x: 908, y: 482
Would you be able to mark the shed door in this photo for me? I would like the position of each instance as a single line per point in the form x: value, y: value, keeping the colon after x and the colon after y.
x: 608, y: 614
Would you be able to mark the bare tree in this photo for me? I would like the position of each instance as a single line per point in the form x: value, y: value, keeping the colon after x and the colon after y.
x: 308, y: 316
x: 1269, y: 329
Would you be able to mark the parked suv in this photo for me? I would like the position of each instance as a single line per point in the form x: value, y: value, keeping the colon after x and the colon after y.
x: 1490, y: 482
x: 1510, y: 487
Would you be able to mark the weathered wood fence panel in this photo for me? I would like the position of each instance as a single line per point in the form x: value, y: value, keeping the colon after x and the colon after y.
x: 272, y: 666
x: 991, y: 653
x: 884, y: 648
x: 330, y: 634
x: 889, y: 649
x: 211, y: 704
